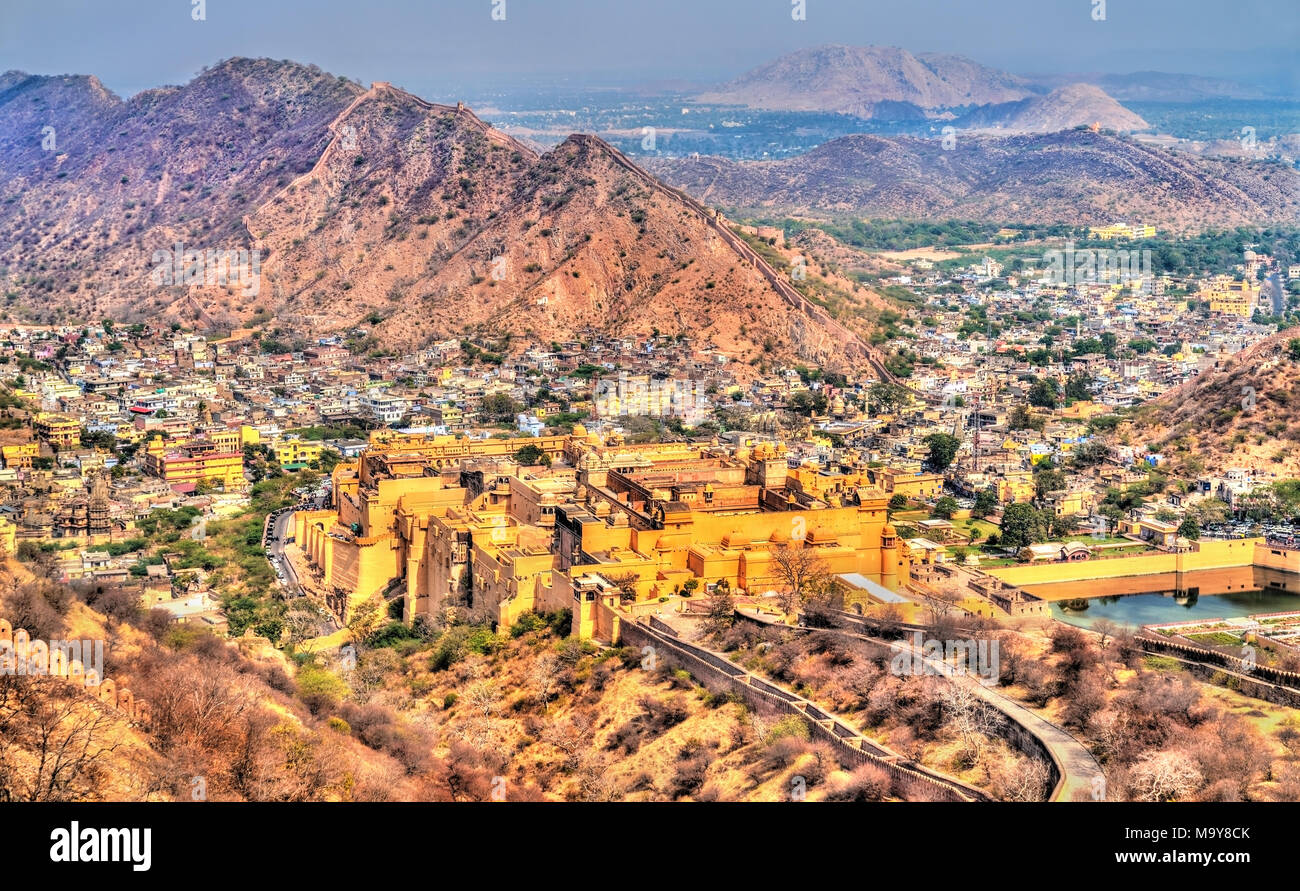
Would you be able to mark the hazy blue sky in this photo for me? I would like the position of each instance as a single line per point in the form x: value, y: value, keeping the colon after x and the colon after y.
x: 436, y: 47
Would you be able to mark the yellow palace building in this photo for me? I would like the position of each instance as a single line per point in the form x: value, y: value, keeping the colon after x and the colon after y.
x: 455, y: 523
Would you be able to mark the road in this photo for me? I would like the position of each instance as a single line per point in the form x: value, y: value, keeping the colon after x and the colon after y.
x: 277, y: 530
x: 1274, y: 283
x: 279, y: 527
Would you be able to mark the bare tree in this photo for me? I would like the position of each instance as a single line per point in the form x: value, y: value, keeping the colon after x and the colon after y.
x: 571, y: 736
x: 969, y: 716
x: 55, y: 741
x: 542, y: 676
x: 303, y: 621
x: 721, y: 610
x: 483, y: 696
x: 1025, y: 780
x: 801, y: 571
x: 626, y: 584
x: 941, y: 604
x: 1165, y: 776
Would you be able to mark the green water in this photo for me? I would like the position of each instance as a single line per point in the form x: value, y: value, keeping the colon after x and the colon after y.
x: 1168, y: 598
x: 1146, y: 609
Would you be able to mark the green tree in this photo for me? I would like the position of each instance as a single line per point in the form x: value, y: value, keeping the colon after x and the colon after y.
x: 499, y: 408
x: 530, y: 455
x: 1044, y: 393
x: 1049, y: 480
x: 1189, y: 529
x: 1091, y: 453
x: 898, y: 502
x: 942, y: 449
x: 1022, y: 525
x: 944, y: 508
x: 985, y: 503
x: 1077, y: 387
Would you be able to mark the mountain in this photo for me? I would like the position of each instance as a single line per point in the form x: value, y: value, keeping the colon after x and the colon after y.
x: 80, y: 221
x: 365, y: 205
x: 858, y: 80
x: 1072, y: 176
x: 1069, y: 106
x: 1241, y: 412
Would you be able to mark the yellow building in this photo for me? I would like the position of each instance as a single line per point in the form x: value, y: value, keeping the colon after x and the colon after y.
x: 1122, y: 230
x: 1231, y: 297
x: 1082, y: 410
x: 449, y: 416
x: 193, y: 461
x: 294, y: 453
x: 463, y: 527
x: 1017, y: 486
x: 59, y: 431
x: 909, y: 481
x: 20, y: 455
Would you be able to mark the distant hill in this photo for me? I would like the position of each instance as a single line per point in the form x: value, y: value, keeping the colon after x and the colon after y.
x: 1069, y: 106
x: 369, y: 206
x: 1072, y: 176
x: 860, y: 80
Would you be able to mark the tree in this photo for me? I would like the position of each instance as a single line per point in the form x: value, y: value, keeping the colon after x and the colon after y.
x: 942, y: 449
x: 1189, y: 529
x: 970, y: 717
x: 626, y: 584
x: 303, y: 619
x: 800, y: 571
x: 1211, y: 511
x: 54, y: 746
x: 898, y: 502
x: 1044, y: 393
x: 1022, y: 525
x: 367, y: 617
x: 1077, y: 387
x: 985, y: 503
x: 1165, y: 776
x: 499, y: 408
x: 721, y: 613
x: 944, y: 508
x: 1021, y: 419
x: 887, y: 397
x: 1049, y: 480
x: 530, y: 455
x: 1091, y: 453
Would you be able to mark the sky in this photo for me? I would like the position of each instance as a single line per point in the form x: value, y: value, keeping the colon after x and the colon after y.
x: 438, y: 47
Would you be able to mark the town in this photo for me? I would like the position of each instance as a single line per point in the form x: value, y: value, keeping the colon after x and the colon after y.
x: 487, y: 466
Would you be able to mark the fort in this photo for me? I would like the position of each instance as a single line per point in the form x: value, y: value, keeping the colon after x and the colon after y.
x: 441, y: 523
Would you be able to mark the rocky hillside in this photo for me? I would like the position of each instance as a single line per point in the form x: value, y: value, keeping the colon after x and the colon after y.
x: 80, y: 221
x: 365, y: 204
x: 1240, y: 413
x: 1073, y: 176
x: 1070, y: 106
x: 862, y: 80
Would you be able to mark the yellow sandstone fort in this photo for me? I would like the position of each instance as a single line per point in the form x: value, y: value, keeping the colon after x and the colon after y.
x: 445, y: 522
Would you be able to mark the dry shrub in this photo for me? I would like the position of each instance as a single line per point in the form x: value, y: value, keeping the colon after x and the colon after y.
x: 867, y: 782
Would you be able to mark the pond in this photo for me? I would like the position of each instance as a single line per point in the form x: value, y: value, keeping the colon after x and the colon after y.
x: 1144, y: 600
